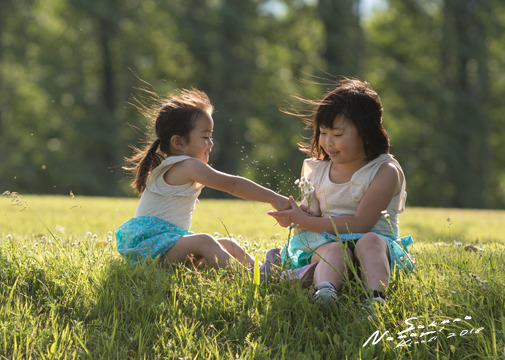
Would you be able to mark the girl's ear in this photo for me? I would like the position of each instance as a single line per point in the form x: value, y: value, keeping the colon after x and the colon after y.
x: 177, y: 142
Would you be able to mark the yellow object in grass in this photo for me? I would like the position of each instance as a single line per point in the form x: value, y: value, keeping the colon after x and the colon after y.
x: 256, y: 271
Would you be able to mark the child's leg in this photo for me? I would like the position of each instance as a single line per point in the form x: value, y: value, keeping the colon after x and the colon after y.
x: 201, y: 245
x: 332, y: 258
x: 237, y: 251
x: 372, y: 253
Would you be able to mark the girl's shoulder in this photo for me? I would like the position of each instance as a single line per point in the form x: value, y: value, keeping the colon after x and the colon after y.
x: 171, y: 160
x: 167, y: 164
x: 315, y: 163
x: 315, y: 169
x: 374, y: 165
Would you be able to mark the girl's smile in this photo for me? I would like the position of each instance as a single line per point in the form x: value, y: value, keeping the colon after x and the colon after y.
x: 342, y: 142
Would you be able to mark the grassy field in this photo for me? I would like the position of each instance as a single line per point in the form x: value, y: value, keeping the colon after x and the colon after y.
x: 66, y: 293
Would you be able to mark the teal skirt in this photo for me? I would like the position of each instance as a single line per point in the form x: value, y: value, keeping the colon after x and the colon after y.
x: 147, y: 236
x: 298, y: 250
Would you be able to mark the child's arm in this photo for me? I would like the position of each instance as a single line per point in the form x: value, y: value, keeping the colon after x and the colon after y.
x: 385, y: 185
x: 194, y: 170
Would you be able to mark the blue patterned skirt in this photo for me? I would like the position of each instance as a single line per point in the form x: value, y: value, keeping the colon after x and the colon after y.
x: 147, y: 236
x: 298, y: 250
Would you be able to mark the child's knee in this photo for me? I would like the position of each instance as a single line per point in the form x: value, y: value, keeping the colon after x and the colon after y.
x: 371, y: 243
x: 333, y: 249
x: 227, y: 242
x: 208, y: 240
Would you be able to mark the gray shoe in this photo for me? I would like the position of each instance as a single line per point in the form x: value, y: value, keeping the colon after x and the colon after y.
x: 271, y: 267
x: 272, y: 264
x: 325, y: 294
x: 370, y: 308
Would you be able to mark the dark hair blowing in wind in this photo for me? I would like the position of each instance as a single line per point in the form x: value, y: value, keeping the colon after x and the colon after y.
x: 175, y: 115
x: 360, y: 104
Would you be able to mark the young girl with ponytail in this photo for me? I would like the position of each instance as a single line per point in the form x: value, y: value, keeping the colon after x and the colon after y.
x: 169, y: 175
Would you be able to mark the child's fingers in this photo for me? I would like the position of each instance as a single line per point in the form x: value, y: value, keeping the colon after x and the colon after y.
x: 292, y: 202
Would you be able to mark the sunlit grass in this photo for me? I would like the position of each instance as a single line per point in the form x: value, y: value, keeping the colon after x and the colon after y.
x: 65, y: 292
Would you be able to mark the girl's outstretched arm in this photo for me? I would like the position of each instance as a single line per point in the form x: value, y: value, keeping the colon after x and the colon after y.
x: 194, y: 170
x: 385, y: 185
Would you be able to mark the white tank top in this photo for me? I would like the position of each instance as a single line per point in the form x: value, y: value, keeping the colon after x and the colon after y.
x: 330, y: 199
x: 173, y: 203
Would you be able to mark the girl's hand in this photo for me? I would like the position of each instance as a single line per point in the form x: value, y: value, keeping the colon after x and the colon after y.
x: 306, y: 210
x: 292, y: 215
x: 281, y: 203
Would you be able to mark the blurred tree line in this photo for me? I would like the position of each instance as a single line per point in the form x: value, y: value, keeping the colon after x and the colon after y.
x: 69, y: 68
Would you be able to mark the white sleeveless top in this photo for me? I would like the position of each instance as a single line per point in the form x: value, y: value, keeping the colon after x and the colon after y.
x: 330, y: 199
x: 173, y: 203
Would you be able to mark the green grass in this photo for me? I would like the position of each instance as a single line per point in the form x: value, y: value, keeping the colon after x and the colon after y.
x: 66, y: 293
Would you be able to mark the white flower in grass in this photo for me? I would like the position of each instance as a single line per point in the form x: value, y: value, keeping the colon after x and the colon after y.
x: 9, y: 237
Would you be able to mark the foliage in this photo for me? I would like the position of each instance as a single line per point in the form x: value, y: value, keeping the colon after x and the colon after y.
x: 66, y: 293
x: 68, y: 70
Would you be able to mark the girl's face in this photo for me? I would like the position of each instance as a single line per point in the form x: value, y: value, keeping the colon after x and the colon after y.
x: 342, y: 142
x: 200, y: 138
